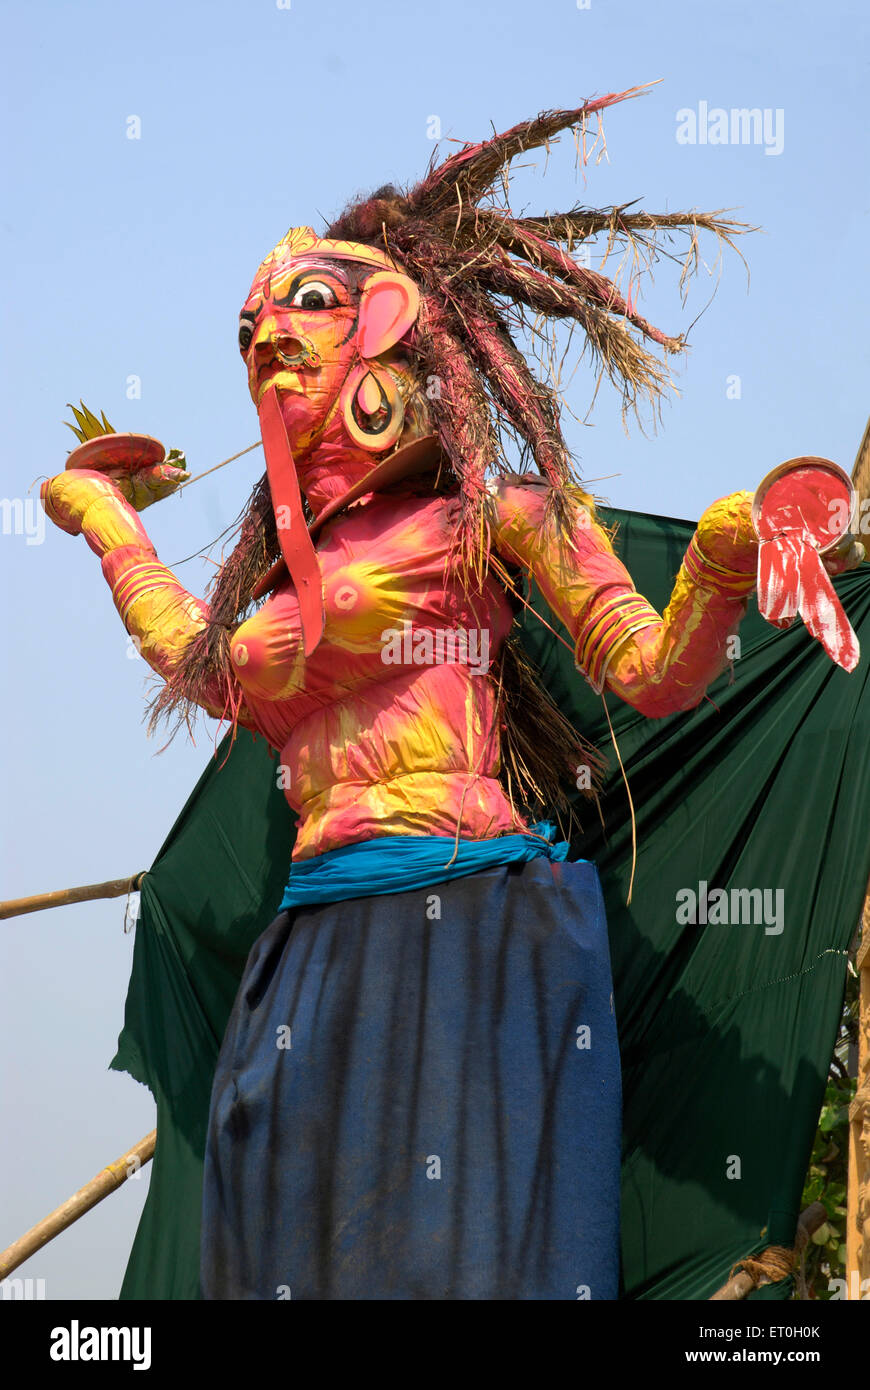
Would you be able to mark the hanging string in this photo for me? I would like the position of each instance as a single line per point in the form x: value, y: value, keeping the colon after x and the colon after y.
x: 131, y: 910
x: 630, y: 803
x: 197, y: 554
x: 506, y: 578
x: 233, y: 524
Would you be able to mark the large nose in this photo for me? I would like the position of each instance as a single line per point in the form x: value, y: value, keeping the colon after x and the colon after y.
x: 278, y: 339
x: 261, y: 352
x: 261, y: 348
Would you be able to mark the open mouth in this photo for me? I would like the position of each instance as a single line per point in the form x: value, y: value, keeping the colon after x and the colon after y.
x: 284, y: 381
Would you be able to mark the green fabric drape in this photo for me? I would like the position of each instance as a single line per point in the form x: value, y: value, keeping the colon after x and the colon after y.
x: 726, y: 1029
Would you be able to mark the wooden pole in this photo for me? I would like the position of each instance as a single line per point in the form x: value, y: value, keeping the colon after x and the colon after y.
x: 112, y: 888
x: 741, y: 1283
x: 106, y: 1181
x: 861, y: 467
x: 858, y: 1182
x: 858, y: 1188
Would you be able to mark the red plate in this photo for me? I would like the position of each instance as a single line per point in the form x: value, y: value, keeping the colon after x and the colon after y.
x: 125, y: 451
x: 807, y: 495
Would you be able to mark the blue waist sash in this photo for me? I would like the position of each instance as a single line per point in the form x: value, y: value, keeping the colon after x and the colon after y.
x: 398, y: 863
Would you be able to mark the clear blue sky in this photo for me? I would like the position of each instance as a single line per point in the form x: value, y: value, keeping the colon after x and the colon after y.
x: 129, y: 257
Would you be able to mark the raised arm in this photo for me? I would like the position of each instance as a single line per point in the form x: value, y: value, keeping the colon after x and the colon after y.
x: 660, y: 664
x: 155, y: 608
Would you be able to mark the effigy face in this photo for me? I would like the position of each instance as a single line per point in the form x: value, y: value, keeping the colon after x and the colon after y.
x: 318, y: 315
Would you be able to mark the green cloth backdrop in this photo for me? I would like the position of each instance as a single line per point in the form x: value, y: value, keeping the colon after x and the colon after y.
x: 726, y: 1030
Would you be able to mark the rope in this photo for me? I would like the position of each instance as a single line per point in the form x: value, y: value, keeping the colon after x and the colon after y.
x: 630, y: 803
x: 187, y: 482
x: 774, y: 1263
x: 769, y: 1266
x: 232, y: 458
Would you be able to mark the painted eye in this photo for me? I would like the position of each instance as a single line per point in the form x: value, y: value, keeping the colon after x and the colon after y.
x: 314, y: 295
x: 246, y: 333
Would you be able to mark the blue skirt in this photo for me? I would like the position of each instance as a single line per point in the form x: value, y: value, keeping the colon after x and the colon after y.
x: 418, y: 1097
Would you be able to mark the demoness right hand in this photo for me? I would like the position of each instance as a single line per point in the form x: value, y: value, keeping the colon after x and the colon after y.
x: 70, y: 496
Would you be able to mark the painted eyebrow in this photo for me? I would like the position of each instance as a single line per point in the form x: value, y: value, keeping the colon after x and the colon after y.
x: 315, y: 267
x: 304, y: 273
x: 327, y: 265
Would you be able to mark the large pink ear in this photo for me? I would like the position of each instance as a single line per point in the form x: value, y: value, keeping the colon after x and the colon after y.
x: 390, y: 304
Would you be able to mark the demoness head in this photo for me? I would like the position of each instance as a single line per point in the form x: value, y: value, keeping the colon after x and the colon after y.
x: 323, y: 325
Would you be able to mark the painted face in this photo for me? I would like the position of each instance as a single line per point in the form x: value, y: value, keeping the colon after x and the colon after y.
x: 321, y: 326
x: 297, y: 333
x: 320, y: 335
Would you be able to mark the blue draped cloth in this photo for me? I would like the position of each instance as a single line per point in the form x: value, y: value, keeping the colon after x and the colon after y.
x: 400, y: 863
x: 418, y: 1097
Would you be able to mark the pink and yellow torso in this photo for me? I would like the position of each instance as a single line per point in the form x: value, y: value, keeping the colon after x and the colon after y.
x: 390, y: 727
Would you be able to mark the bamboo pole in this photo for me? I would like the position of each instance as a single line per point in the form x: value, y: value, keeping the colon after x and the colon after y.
x: 861, y: 466
x: 741, y: 1284
x: 112, y: 888
x: 858, y: 1180
x: 858, y: 1187
x: 106, y: 1181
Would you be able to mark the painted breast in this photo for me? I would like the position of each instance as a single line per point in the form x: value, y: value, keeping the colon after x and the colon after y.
x: 391, y: 599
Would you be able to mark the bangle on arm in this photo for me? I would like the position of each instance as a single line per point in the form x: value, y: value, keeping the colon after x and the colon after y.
x: 707, y: 574
x: 134, y: 583
x: 614, y: 620
x: 628, y: 612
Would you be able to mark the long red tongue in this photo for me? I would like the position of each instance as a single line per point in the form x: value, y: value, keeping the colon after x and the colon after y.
x: 296, y: 546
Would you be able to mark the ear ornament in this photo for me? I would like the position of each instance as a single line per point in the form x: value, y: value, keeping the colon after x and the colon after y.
x: 372, y: 407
